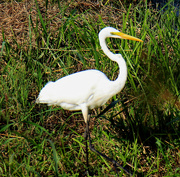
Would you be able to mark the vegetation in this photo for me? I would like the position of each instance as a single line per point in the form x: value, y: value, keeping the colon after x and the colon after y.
x: 46, y: 40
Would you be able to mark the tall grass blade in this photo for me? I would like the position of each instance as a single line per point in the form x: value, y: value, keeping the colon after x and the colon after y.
x: 41, y: 19
x: 55, y: 157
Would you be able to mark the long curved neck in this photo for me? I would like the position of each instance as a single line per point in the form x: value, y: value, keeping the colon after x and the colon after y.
x: 119, y: 83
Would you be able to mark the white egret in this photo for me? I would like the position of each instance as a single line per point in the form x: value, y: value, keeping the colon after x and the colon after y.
x: 88, y: 89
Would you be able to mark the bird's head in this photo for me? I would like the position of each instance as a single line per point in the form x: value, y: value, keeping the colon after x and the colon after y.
x: 114, y: 33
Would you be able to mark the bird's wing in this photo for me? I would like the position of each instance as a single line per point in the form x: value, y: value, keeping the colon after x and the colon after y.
x: 79, y: 87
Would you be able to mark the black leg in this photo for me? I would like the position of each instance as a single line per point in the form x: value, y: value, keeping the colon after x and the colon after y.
x: 115, y: 164
x: 87, y: 153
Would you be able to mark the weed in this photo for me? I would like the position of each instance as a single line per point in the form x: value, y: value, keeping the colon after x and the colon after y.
x: 46, y: 40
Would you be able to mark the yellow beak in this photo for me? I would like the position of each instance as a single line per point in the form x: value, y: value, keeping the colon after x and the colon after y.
x: 125, y: 36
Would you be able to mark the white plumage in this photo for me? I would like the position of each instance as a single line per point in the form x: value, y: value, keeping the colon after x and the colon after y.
x: 90, y: 88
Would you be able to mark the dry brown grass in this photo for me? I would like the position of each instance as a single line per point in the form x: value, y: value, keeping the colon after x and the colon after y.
x: 14, y: 17
x: 14, y: 20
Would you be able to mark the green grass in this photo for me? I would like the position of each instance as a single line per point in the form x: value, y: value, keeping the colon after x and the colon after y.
x: 141, y: 131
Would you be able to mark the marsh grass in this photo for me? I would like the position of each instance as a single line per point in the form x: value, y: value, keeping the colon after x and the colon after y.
x: 141, y: 130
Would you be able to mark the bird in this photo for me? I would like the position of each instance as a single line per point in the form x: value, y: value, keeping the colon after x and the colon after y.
x: 88, y: 89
